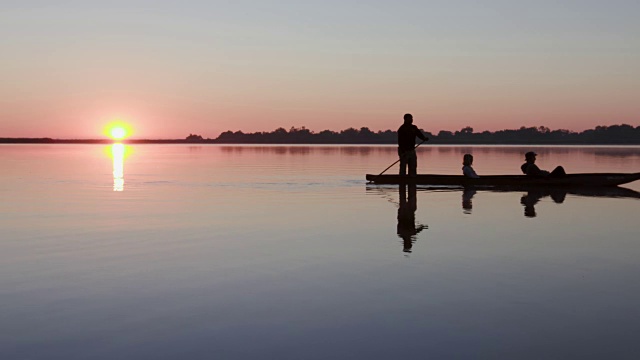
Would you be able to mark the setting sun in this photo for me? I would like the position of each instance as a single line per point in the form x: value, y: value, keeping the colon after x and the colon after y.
x: 118, y: 130
x: 118, y: 133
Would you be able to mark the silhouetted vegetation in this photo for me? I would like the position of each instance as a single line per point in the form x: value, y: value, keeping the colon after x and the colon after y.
x: 193, y: 138
x: 305, y: 136
x: 601, y: 135
x: 26, y: 141
x: 616, y: 134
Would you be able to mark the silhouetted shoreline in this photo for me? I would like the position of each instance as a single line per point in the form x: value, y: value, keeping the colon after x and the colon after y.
x: 601, y: 135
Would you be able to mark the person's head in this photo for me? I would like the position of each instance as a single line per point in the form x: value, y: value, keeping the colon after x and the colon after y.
x: 467, y: 160
x: 408, y: 119
x: 530, y: 157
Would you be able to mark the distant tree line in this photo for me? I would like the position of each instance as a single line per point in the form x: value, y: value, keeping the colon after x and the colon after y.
x: 615, y: 134
x: 601, y: 135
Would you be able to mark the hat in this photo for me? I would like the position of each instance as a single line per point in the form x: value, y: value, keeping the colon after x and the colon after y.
x: 530, y: 154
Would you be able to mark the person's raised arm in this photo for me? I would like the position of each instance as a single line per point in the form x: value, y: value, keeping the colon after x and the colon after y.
x: 420, y: 135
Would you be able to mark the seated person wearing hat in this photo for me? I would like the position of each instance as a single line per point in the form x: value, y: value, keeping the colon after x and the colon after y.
x: 531, y: 169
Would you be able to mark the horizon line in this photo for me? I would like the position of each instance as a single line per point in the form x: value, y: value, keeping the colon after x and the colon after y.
x: 474, y: 131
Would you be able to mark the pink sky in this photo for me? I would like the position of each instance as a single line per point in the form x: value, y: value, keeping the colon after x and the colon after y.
x: 172, y: 71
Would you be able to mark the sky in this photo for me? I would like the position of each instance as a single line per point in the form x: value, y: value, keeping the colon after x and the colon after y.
x: 171, y: 68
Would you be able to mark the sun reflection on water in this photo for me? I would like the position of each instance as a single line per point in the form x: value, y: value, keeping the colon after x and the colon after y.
x: 118, y: 152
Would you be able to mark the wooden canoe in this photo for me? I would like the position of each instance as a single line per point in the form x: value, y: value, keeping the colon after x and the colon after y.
x: 585, y: 191
x: 589, y: 180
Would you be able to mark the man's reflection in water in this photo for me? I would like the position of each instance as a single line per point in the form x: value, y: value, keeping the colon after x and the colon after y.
x: 467, y: 203
x: 407, y: 228
x: 533, y: 197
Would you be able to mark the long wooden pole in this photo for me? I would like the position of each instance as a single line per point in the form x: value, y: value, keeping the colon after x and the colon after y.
x: 385, y: 170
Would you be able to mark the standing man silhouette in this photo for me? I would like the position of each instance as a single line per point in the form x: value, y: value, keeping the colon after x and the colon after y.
x: 407, y: 134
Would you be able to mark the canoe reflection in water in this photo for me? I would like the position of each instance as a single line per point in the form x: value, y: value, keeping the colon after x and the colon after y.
x: 407, y: 228
x: 557, y: 194
x: 532, y: 197
x: 529, y: 197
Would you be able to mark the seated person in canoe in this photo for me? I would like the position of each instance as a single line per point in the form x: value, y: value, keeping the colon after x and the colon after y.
x: 531, y: 169
x: 467, y: 170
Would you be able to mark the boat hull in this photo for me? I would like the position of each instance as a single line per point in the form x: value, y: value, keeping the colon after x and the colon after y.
x: 589, y: 180
x: 585, y: 191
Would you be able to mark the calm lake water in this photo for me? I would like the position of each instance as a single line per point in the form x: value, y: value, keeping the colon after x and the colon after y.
x: 284, y: 252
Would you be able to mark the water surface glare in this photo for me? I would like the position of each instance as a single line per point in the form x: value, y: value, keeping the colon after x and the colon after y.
x: 284, y: 252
